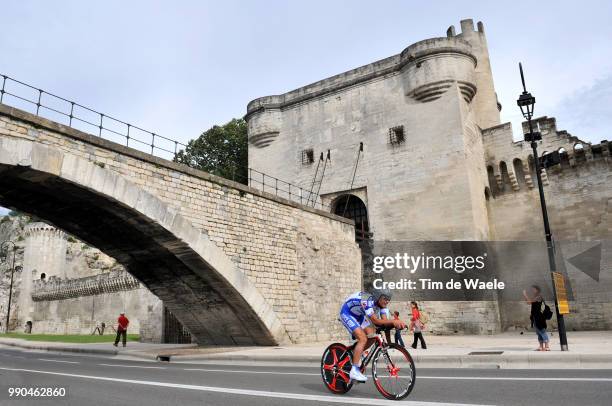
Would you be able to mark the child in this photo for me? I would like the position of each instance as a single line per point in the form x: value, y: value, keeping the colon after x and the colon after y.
x: 398, y: 332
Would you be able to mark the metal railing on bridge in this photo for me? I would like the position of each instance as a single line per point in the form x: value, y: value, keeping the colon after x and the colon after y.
x: 21, y: 95
x: 286, y: 190
x: 26, y: 97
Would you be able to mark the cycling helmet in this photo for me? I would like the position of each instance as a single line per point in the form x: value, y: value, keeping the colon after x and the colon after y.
x: 377, y: 293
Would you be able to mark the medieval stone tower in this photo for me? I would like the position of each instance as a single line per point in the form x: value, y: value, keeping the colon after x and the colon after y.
x: 44, y: 257
x: 418, y: 115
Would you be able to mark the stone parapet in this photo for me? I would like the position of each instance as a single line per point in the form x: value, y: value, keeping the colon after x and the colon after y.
x: 59, y: 289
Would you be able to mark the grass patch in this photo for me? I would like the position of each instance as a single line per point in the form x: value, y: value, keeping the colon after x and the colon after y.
x: 74, y: 338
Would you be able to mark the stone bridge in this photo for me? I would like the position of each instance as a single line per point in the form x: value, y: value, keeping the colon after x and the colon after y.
x: 234, y: 264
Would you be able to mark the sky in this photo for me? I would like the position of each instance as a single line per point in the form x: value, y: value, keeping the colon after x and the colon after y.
x: 179, y: 67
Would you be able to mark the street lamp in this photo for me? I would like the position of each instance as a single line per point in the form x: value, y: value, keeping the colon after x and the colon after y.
x: 4, y: 250
x: 526, y: 103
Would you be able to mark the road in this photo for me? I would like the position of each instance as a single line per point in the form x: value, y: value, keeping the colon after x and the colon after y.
x: 111, y: 381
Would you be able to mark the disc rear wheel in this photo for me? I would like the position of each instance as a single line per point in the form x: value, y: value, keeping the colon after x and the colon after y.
x: 335, y: 368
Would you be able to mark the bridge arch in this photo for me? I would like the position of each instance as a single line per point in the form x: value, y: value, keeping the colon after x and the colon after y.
x: 196, y: 280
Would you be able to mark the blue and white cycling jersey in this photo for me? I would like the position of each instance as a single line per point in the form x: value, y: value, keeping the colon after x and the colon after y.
x: 357, y: 309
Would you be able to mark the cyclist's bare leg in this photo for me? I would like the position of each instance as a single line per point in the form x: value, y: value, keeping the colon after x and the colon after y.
x: 363, y: 342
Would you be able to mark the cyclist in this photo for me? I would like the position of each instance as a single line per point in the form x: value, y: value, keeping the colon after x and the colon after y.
x: 359, y: 311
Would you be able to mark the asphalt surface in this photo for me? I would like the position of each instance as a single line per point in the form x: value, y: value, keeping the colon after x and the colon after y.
x: 93, y: 380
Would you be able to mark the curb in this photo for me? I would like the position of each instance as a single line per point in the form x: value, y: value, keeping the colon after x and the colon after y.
x: 62, y: 349
x: 516, y: 361
x: 29, y: 345
x: 505, y: 361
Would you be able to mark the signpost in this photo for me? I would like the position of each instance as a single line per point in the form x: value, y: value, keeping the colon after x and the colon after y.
x: 562, y: 302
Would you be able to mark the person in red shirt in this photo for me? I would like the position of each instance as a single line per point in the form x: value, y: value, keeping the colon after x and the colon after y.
x: 417, y: 326
x: 122, y: 325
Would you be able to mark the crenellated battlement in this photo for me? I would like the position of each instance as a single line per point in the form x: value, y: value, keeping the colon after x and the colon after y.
x: 467, y: 28
x: 510, y: 165
x: 56, y: 288
x: 40, y: 228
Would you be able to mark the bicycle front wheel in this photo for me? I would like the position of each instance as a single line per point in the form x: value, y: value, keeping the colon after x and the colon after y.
x: 393, y: 372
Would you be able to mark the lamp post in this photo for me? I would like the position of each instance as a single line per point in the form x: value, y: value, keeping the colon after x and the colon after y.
x: 4, y: 248
x: 526, y: 103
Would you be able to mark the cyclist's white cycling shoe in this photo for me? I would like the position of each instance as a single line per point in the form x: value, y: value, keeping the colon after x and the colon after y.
x: 356, y: 375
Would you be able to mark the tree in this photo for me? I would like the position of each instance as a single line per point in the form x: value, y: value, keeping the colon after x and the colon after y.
x: 220, y: 150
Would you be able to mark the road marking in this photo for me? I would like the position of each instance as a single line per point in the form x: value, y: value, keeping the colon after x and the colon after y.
x: 12, y: 356
x: 490, y: 378
x: 250, y: 372
x: 57, y: 360
x: 246, y: 392
x: 516, y: 378
x: 130, y: 366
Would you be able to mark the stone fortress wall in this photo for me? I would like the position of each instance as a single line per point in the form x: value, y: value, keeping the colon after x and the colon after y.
x: 68, y: 287
x: 579, y: 199
x: 455, y: 174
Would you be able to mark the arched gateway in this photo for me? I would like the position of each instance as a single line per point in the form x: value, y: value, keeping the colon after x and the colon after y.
x: 352, y: 207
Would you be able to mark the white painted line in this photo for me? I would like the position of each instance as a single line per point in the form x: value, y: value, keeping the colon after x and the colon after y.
x: 245, y: 392
x: 490, y: 378
x: 516, y: 378
x: 250, y: 372
x: 57, y: 360
x: 130, y: 366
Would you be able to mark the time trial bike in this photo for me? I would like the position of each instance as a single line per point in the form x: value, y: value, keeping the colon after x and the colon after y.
x: 393, y: 369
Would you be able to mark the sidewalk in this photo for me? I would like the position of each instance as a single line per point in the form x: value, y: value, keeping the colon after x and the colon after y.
x: 508, y: 350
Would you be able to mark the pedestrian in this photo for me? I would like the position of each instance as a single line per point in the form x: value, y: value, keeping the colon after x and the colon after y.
x: 122, y: 325
x: 398, y: 331
x: 99, y: 329
x: 538, y: 320
x: 417, y: 326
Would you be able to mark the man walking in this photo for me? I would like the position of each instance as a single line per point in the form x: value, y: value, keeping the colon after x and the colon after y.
x: 122, y: 325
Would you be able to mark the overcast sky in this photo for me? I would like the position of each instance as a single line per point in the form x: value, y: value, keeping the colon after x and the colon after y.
x: 179, y: 67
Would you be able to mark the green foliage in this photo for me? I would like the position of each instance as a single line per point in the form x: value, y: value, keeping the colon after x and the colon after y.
x: 220, y: 150
x: 30, y: 218
x: 71, y: 239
